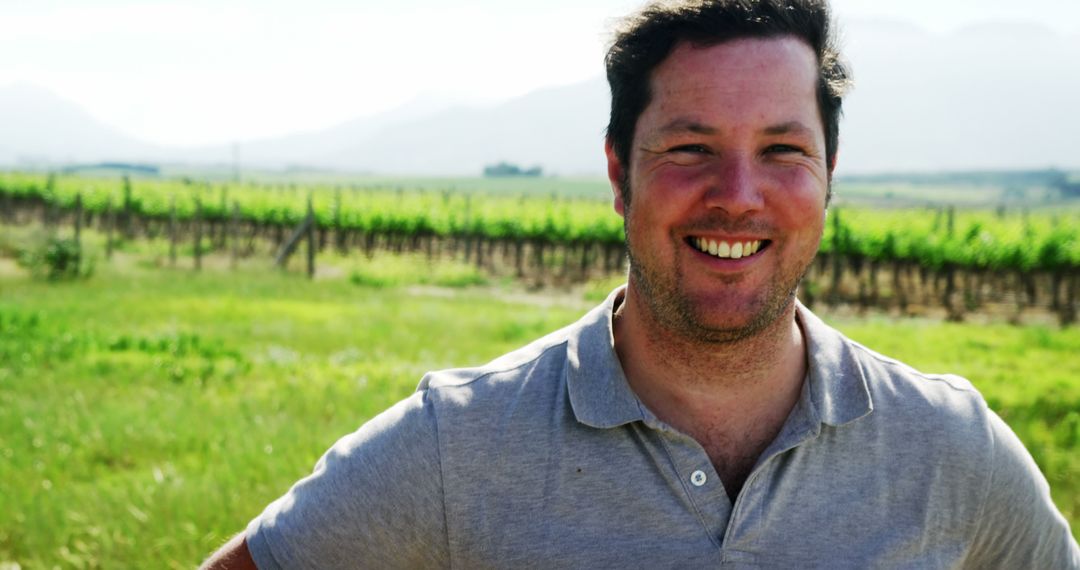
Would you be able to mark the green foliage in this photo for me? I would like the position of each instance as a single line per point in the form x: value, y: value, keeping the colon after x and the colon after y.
x: 930, y: 237
x: 393, y: 271
x: 55, y: 259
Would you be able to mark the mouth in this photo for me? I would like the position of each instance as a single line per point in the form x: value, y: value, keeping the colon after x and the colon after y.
x: 726, y: 249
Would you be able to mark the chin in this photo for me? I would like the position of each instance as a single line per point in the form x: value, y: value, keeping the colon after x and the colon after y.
x: 711, y: 322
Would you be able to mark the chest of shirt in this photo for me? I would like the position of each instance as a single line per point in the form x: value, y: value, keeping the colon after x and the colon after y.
x: 640, y: 497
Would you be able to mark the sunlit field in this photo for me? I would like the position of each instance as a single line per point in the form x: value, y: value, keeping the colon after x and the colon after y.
x: 148, y: 413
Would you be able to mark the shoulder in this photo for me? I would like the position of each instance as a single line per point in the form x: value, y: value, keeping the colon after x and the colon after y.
x: 538, y: 365
x: 899, y: 384
x: 542, y: 360
x: 852, y: 381
x: 967, y: 457
x: 941, y: 418
x: 938, y: 425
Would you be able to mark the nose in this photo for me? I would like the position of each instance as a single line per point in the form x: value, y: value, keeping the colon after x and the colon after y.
x: 733, y: 186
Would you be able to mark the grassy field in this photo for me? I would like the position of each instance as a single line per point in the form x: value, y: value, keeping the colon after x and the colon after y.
x: 147, y: 413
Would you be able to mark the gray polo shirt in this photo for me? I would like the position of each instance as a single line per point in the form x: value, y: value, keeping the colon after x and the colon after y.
x: 544, y: 458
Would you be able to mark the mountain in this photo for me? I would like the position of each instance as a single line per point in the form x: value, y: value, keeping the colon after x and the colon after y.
x: 991, y: 96
x: 994, y: 96
x: 37, y: 126
x: 313, y: 147
x: 560, y: 128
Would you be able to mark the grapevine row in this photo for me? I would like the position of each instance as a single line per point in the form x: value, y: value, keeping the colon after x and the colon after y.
x: 934, y: 239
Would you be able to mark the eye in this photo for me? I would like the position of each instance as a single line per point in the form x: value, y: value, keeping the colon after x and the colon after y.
x: 783, y: 149
x: 690, y: 148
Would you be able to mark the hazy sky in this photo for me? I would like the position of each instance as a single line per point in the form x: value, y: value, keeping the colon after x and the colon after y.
x: 196, y: 72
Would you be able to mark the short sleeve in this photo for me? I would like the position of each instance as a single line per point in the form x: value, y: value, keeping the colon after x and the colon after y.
x: 374, y: 500
x: 1020, y: 527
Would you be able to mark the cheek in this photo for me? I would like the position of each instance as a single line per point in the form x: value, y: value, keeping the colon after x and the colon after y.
x: 659, y: 192
x: 669, y: 186
x: 682, y: 175
x: 797, y: 192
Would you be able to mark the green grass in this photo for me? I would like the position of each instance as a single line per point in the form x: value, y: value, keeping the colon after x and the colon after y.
x: 397, y: 270
x: 146, y: 414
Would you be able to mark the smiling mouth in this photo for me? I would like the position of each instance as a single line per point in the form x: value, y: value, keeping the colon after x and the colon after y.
x: 728, y: 249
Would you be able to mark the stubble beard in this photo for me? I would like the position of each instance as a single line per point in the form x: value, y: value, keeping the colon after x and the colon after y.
x: 672, y: 308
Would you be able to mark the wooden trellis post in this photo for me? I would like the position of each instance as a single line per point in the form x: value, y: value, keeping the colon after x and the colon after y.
x: 234, y: 234
x: 172, y: 231
x: 305, y: 229
x: 198, y: 234
x: 78, y: 220
x: 310, y: 239
x: 110, y: 219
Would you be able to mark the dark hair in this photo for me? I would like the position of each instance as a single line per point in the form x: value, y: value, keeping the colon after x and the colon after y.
x: 647, y: 37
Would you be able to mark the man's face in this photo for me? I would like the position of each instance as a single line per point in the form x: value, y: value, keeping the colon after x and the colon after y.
x: 730, y: 153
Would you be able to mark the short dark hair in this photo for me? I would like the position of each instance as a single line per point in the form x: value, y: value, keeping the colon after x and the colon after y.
x: 647, y: 37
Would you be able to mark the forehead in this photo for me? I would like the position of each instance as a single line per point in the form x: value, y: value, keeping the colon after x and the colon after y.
x: 748, y: 54
x: 750, y: 77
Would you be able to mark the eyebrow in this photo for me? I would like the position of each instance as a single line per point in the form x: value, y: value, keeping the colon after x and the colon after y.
x: 683, y: 124
x: 790, y: 127
x: 686, y: 125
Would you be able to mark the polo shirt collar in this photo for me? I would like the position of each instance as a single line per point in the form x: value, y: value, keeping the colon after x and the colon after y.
x: 838, y: 389
x: 836, y: 392
x: 599, y: 393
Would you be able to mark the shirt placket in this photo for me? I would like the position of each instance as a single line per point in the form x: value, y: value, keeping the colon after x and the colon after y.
x: 748, y: 508
x: 700, y: 481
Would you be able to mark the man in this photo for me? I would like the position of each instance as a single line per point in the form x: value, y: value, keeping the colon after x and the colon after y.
x: 700, y: 417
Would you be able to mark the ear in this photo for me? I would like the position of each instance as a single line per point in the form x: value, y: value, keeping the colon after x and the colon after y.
x: 616, y: 176
x: 832, y: 163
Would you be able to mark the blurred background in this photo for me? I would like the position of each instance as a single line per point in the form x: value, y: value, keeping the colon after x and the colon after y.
x: 232, y: 231
x: 427, y: 88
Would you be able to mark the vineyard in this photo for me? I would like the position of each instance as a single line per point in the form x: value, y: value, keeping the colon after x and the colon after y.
x: 908, y: 260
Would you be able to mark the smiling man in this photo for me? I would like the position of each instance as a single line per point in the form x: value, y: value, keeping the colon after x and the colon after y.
x: 700, y: 417
x: 726, y: 183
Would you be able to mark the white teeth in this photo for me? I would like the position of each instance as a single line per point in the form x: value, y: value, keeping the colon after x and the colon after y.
x: 725, y: 250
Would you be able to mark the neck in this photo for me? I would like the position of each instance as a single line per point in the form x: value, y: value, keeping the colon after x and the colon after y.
x: 688, y: 381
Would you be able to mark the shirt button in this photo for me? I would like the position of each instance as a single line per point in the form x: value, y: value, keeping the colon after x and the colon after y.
x: 698, y: 478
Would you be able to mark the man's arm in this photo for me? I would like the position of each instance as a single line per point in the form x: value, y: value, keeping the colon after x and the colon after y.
x: 1020, y: 527
x: 233, y: 556
x: 374, y: 500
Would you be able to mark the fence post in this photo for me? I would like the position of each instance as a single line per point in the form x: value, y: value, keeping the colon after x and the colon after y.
x: 234, y: 234
x: 837, y: 263
x: 47, y: 200
x: 110, y: 221
x: 310, y: 239
x: 339, y: 233
x: 78, y: 221
x: 225, y: 231
x: 198, y: 233
x: 128, y: 213
x: 172, y: 231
